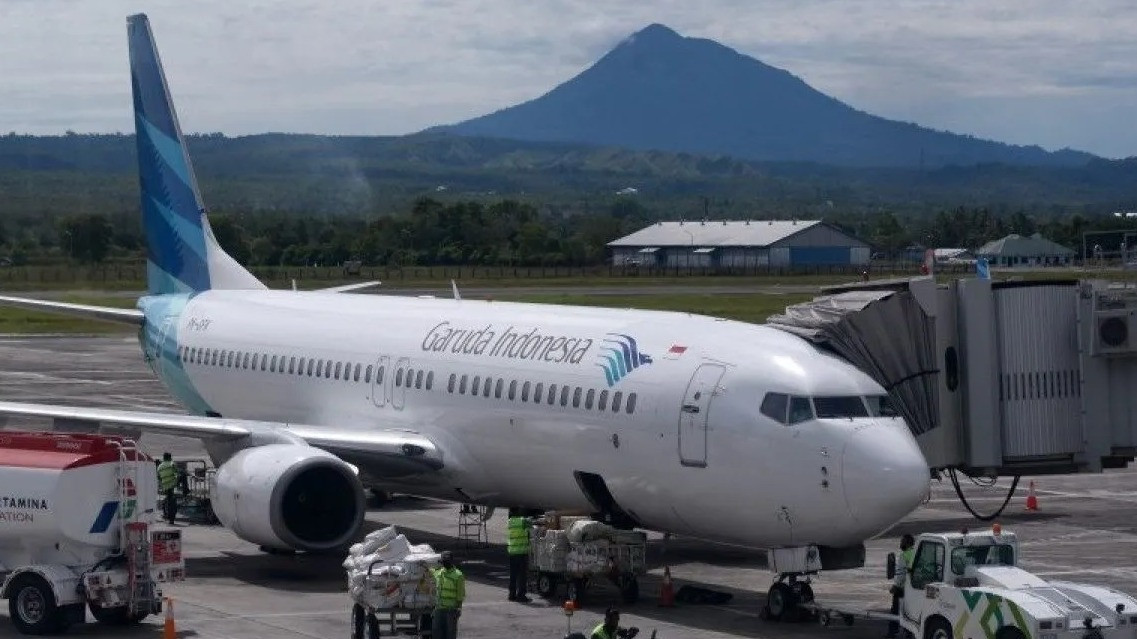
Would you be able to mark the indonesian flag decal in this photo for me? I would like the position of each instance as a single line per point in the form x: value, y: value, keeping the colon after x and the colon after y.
x: 675, y: 351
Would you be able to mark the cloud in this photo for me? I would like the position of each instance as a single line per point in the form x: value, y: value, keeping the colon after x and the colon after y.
x: 359, y: 66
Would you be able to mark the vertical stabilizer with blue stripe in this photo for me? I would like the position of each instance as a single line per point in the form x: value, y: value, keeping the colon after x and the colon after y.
x: 182, y: 254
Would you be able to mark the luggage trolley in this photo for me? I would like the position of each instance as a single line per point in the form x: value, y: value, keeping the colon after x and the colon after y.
x: 372, y: 614
x: 554, y: 560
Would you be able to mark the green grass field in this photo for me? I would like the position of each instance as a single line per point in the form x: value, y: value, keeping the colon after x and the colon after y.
x: 754, y: 307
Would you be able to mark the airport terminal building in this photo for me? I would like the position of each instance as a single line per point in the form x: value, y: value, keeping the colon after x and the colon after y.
x: 745, y: 243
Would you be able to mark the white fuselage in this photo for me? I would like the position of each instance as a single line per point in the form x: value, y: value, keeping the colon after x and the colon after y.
x: 695, y: 456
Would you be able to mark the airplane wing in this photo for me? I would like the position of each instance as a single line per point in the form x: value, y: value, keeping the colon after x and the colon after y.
x: 386, y: 453
x: 349, y: 288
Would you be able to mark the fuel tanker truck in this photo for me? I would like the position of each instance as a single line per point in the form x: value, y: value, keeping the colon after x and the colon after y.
x: 77, y: 531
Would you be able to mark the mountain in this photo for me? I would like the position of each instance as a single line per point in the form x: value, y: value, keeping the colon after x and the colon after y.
x: 659, y: 90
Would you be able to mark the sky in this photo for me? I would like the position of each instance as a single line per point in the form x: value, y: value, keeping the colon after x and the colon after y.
x: 1056, y: 73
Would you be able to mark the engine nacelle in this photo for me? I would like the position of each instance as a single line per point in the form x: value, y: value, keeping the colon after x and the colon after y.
x: 289, y: 496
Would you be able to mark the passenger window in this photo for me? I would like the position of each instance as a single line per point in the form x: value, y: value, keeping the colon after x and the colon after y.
x: 588, y: 397
x: 418, y: 378
x: 525, y: 392
x: 264, y: 362
x: 538, y: 392
x: 552, y: 394
x: 847, y: 407
x: 450, y: 384
x: 410, y: 377
x: 631, y: 407
x: 603, y: 403
x: 339, y: 367
x: 367, y: 374
x: 475, y: 385
x: 319, y: 368
x: 215, y: 355
x: 487, y: 387
x: 398, y: 378
x: 774, y: 406
x: 576, y: 397
x: 379, y: 374
x: 311, y: 365
x: 498, y: 388
x: 272, y: 366
x: 564, y: 395
x: 617, y: 399
x: 246, y: 362
x: 429, y: 380
x: 512, y: 389
x: 462, y: 386
x: 928, y: 567
x: 800, y: 410
x: 291, y: 365
x: 229, y: 360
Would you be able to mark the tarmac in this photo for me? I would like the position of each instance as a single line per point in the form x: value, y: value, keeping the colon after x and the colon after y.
x: 1085, y: 530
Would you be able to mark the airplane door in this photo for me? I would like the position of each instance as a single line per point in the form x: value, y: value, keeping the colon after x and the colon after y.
x: 694, y: 414
x: 398, y: 384
x: 379, y: 382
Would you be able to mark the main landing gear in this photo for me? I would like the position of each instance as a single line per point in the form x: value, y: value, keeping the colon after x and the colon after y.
x: 788, y: 599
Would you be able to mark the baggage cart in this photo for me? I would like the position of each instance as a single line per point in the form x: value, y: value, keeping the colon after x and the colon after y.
x: 554, y: 560
x: 385, y: 607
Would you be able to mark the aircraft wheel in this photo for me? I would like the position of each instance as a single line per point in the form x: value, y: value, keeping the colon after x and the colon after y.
x: 780, y: 601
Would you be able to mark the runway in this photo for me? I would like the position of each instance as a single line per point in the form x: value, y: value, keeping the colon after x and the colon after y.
x: 1085, y: 530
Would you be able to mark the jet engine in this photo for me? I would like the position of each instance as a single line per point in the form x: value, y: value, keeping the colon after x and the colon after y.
x: 290, y: 497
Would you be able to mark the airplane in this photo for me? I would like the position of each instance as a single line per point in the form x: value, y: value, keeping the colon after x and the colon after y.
x: 666, y: 421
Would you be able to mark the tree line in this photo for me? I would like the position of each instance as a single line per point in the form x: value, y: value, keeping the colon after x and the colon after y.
x: 502, y: 233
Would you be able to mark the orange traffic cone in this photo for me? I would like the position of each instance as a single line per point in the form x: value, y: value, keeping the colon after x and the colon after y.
x: 666, y: 592
x: 168, y: 630
x: 1031, y: 499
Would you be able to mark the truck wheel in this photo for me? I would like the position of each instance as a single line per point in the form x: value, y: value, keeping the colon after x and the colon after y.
x: 780, y: 601
x: 31, y: 604
x: 938, y: 628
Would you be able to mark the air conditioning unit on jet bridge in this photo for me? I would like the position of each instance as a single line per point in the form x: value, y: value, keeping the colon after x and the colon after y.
x: 1114, y: 323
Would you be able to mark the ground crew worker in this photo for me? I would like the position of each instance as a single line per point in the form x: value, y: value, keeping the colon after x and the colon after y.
x: 167, y: 482
x: 518, y: 548
x: 450, y: 588
x: 903, y: 569
x: 610, y: 629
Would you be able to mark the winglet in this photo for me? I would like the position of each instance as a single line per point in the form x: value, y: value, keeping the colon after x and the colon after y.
x: 454, y: 287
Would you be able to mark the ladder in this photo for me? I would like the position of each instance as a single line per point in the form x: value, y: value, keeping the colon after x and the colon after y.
x: 134, y: 532
x: 472, y: 525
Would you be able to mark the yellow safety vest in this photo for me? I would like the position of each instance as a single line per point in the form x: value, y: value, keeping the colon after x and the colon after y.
x: 450, y: 586
x: 600, y: 633
x: 167, y: 476
x: 518, y: 536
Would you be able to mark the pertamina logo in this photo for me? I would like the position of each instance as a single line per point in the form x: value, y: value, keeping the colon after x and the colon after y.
x: 619, y: 356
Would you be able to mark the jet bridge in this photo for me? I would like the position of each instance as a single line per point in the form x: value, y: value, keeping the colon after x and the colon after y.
x: 994, y: 378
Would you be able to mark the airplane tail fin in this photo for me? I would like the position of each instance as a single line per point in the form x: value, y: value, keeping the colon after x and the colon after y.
x: 182, y: 254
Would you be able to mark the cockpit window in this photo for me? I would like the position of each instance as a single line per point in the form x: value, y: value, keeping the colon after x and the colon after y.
x: 774, y: 406
x: 840, y: 407
x: 801, y: 409
x: 881, y: 406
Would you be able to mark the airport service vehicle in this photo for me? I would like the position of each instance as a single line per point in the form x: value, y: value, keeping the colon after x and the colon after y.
x: 75, y: 532
x: 968, y: 584
x: 674, y: 422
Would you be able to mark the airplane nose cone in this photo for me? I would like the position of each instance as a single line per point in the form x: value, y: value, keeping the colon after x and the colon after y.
x: 885, y: 475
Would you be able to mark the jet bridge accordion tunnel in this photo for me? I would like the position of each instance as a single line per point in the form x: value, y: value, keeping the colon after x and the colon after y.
x: 1003, y: 378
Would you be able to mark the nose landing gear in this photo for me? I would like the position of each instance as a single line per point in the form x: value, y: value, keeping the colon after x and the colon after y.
x: 785, y: 598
